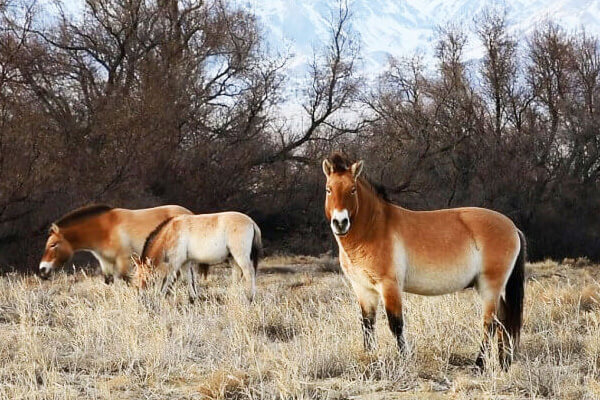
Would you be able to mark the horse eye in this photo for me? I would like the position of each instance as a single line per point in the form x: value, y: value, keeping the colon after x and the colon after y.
x: 353, y: 190
x: 54, y: 245
x: 328, y: 190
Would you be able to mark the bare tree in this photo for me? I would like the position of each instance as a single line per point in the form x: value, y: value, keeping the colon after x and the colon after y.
x: 334, y: 85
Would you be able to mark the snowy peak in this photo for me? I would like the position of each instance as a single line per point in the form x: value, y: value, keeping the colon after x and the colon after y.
x: 401, y: 28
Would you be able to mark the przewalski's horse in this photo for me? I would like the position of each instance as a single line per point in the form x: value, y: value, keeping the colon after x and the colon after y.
x: 204, y: 239
x: 112, y: 235
x: 385, y: 249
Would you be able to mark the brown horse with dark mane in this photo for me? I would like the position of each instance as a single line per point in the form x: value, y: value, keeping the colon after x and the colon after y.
x: 385, y: 249
x: 112, y: 235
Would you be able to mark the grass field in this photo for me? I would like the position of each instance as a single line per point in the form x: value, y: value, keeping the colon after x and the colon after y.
x: 75, y: 337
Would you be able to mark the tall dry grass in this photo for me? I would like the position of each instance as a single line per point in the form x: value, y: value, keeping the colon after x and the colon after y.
x: 74, y: 337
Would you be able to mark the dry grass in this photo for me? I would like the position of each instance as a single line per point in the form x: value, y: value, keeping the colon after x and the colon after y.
x: 75, y: 337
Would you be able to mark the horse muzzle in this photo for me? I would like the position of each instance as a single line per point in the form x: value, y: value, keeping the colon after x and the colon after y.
x: 45, y: 269
x: 340, y: 222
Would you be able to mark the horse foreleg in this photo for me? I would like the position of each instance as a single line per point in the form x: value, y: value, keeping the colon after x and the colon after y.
x: 107, y: 269
x: 392, y: 300
x: 169, y: 279
x: 123, y: 266
x: 368, y: 299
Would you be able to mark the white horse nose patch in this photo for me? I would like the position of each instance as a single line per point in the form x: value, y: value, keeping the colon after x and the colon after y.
x: 340, y: 222
x: 45, y: 266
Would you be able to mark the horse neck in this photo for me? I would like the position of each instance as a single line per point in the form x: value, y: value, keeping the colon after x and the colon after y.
x: 86, y: 234
x: 370, y: 217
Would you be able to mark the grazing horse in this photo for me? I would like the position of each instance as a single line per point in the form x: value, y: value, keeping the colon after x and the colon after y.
x: 385, y: 249
x: 110, y: 234
x: 205, y: 239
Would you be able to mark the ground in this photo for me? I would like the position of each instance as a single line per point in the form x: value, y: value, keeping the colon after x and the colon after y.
x: 75, y: 337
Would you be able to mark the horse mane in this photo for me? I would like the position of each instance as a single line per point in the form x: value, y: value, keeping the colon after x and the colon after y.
x: 152, y: 238
x: 82, y: 213
x: 341, y: 163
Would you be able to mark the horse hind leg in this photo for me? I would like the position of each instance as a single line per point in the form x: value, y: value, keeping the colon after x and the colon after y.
x: 193, y: 290
x: 246, y: 266
x: 490, y: 325
x: 505, y: 342
x: 236, y: 271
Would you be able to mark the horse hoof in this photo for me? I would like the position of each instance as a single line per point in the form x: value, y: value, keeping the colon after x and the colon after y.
x: 479, y: 364
x: 108, y: 279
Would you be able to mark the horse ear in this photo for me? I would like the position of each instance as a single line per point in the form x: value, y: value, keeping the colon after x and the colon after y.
x: 327, y: 167
x: 357, y: 169
x: 53, y: 229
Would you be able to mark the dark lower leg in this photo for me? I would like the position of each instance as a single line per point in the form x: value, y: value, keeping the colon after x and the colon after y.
x: 393, y: 308
x: 489, y: 330
x: 396, y: 323
x: 192, y: 284
x: 505, y: 351
x: 203, y: 268
x: 126, y: 278
x: 368, y: 328
x: 108, y: 279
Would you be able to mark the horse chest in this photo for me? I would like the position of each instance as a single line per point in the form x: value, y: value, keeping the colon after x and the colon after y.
x: 362, y: 275
x: 363, y: 266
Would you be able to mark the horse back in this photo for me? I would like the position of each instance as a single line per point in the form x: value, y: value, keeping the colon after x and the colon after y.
x: 131, y: 227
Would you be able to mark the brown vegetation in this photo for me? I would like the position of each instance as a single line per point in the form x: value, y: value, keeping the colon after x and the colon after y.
x: 142, y: 103
x: 75, y: 337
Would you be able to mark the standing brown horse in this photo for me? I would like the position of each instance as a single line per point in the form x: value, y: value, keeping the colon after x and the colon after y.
x: 386, y: 249
x: 112, y: 235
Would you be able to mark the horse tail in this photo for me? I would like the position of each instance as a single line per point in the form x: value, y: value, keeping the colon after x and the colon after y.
x: 257, y: 250
x: 511, y: 307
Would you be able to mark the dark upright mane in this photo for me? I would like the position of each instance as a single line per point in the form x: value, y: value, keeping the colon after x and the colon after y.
x: 342, y: 163
x: 81, y: 214
x: 152, y: 237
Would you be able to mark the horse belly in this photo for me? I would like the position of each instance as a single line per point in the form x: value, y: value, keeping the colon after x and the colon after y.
x: 431, y: 279
x: 208, y: 250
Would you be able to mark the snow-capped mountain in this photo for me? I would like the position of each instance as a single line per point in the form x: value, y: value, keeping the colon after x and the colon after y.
x: 403, y: 27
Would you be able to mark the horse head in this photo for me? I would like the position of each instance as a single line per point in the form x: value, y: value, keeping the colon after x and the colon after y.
x: 57, y: 252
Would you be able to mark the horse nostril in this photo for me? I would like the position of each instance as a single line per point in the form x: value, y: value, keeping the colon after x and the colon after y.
x: 341, y: 225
